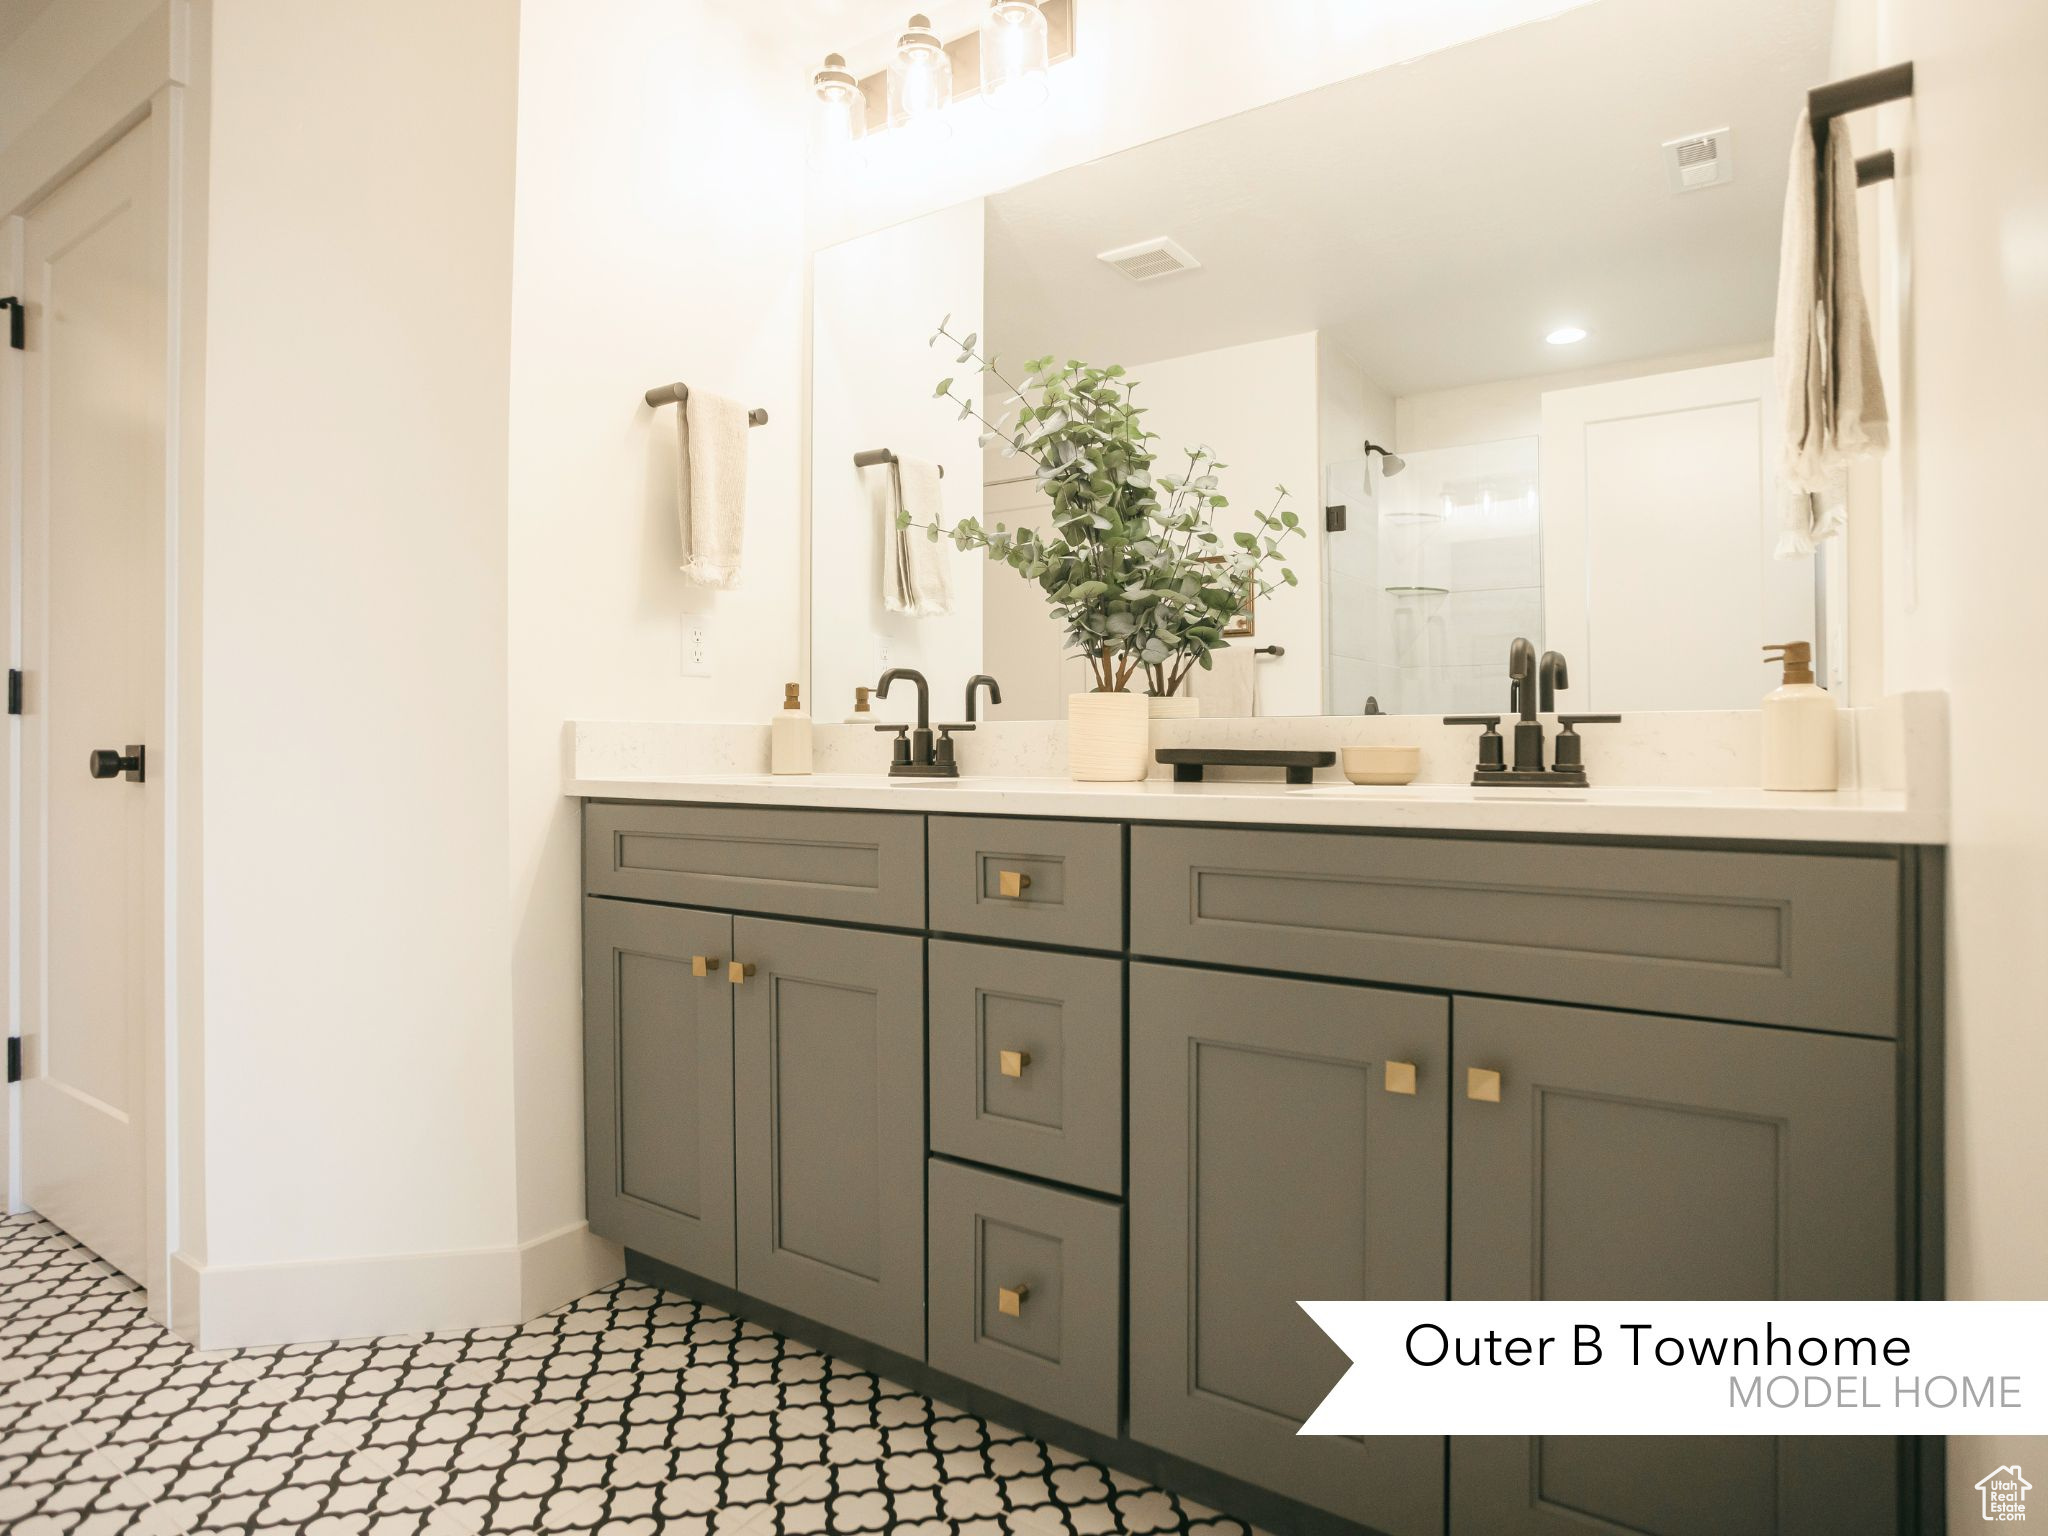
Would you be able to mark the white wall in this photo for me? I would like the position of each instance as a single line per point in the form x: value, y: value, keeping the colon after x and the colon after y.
x: 875, y: 301
x: 1143, y: 69
x: 1974, y: 200
x: 1257, y: 407
x: 659, y: 236
x: 1504, y: 408
x: 358, y: 1070
x: 54, y: 52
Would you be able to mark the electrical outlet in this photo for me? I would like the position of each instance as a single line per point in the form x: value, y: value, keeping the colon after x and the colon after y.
x: 882, y: 651
x: 697, y: 645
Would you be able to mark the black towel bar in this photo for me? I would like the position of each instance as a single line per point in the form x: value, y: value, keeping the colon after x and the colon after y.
x: 1825, y: 103
x: 868, y: 456
x: 676, y: 394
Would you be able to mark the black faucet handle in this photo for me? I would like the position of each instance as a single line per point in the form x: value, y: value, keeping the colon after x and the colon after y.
x: 1568, y: 749
x: 899, y: 749
x: 948, y: 729
x: 1492, y: 752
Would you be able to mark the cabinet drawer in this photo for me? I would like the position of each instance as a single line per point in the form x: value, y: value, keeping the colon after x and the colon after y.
x: 1045, y: 882
x: 1800, y: 939
x: 1026, y: 1291
x: 1027, y: 1061
x: 843, y: 866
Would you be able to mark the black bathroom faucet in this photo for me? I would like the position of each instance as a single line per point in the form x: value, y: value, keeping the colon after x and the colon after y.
x: 914, y: 754
x: 1532, y: 692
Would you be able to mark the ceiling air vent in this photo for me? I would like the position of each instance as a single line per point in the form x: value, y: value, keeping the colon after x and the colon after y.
x: 1700, y: 160
x: 1149, y: 259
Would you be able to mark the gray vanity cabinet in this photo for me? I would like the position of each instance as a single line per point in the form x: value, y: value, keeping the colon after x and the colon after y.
x: 1628, y: 1157
x: 1289, y: 1141
x: 657, y: 1066
x: 829, y: 1076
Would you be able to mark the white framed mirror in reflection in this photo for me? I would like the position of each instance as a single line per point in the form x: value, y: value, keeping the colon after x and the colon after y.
x: 1500, y: 319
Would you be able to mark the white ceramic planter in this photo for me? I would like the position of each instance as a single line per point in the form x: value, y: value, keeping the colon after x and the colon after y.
x: 1181, y: 706
x: 1108, y: 736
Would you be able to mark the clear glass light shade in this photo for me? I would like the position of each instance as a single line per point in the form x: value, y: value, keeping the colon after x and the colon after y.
x: 840, y: 115
x: 920, y: 78
x: 1013, y: 54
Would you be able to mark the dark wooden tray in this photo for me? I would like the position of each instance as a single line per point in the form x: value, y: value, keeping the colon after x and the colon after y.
x: 1187, y: 763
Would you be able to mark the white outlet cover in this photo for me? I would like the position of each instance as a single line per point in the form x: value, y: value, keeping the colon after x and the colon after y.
x: 697, y: 645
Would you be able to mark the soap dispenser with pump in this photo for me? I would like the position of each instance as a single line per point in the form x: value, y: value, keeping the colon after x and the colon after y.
x: 789, y: 735
x: 1799, y: 746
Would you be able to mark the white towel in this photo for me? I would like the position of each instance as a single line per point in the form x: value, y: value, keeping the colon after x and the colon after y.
x: 1830, y: 395
x: 1229, y: 688
x: 711, y: 486
x: 916, y: 576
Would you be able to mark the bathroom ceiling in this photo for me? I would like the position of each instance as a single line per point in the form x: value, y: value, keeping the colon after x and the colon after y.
x: 1438, y: 218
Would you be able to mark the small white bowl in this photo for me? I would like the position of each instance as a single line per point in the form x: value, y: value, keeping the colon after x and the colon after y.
x: 1382, y: 765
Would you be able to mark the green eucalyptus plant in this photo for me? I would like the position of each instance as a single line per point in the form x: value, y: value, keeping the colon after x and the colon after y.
x: 1134, y: 569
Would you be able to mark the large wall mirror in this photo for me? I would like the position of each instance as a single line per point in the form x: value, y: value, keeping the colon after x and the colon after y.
x: 1499, y: 318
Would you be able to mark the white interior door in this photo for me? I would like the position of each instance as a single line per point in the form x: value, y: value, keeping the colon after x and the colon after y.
x: 93, y: 653
x: 1660, y: 515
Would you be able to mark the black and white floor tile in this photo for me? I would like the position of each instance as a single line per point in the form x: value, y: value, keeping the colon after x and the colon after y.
x: 630, y: 1411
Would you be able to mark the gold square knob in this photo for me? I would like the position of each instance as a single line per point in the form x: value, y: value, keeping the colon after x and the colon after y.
x: 703, y: 965
x: 737, y: 972
x: 1011, y: 1302
x: 1400, y: 1077
x: 1482, y: 1085
x: 1013, y: 1063
x: 1012, y: 883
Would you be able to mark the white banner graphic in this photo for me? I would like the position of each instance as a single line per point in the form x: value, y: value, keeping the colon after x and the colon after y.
x: 1686, y: 1368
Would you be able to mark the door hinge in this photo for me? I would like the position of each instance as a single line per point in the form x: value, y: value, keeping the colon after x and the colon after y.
x: 1334, y: 519
x: 14, y: 690
x: 14, y: 1058
x: 17, y: 323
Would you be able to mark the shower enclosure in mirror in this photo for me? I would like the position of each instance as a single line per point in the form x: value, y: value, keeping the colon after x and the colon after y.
x: 1482, y: 313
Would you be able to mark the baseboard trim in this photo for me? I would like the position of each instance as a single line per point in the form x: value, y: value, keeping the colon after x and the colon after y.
x: 249, y: 1305
x: 559, y: 1266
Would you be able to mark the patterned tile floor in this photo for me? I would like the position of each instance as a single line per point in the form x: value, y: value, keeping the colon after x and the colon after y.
x: 629, y: 1411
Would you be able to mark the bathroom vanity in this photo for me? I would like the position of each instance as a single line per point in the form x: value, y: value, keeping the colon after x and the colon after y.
x: 1058, y: 1115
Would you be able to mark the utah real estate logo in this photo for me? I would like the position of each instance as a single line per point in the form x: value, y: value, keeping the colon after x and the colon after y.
x: 2005, y: 1495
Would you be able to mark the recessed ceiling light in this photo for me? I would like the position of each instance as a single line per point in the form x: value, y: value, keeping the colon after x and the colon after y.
x: 1565, y: 335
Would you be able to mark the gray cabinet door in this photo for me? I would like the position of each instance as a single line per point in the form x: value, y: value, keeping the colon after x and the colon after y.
x: 830, y: 1109
x: 1638, y: 1158
x: 1277, y: 1158
x: 657, y: 1075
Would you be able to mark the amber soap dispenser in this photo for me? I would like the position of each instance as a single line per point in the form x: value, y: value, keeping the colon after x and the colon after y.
x: 1799, y: 724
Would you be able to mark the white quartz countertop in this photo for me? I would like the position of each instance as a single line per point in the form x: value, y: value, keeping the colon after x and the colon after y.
x: 1844, y: 816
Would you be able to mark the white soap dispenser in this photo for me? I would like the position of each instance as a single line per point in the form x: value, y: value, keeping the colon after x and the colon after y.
x: 789, y: 735
x: 1799, y: 725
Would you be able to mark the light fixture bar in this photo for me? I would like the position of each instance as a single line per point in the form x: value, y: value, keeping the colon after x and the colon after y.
x: 965, y: 52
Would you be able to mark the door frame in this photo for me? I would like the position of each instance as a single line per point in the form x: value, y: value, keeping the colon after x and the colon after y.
x: 138, y: 85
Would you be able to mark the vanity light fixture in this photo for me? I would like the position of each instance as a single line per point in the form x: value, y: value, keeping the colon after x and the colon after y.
x: 1565, y: 336
x: 920, y: 78
x: 1015, y: 56
x: 841, y: 114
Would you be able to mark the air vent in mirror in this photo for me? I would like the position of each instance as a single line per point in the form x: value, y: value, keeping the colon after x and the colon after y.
x: 1149, y: 259
x: 1700, y: 160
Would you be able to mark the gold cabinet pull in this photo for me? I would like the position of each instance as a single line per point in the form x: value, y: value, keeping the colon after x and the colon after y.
x: 739, y: 971
x: 1482, y: 1084
x: 1012, y: 883
x: 704, y: 965
x: 1400, y: 1077
x: 1011, y: 1302
x: 1013, y: 1063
